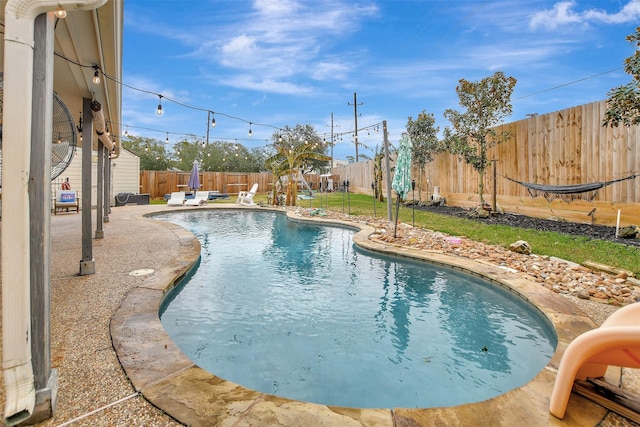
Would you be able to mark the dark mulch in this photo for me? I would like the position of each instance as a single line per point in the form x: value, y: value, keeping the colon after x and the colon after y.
x: 600, y: 232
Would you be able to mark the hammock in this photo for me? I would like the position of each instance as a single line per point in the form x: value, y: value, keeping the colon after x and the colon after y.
x: 568, y: 193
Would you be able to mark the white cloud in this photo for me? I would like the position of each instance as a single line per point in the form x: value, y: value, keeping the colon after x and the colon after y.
x: 240, y: 51
x: 564, y: 13
x: 269, y: 85
x: 329, y: 70
x: 282, y: 39
x: 274, y: 7
x: 629, y: 13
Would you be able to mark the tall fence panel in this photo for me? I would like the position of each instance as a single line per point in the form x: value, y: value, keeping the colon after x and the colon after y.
x: 560, y: 148
x: 159, y: 183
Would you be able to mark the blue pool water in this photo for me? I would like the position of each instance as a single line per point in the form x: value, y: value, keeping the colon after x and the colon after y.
x: 296, y: 310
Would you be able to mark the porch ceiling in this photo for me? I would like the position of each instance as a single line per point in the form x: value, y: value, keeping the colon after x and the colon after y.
x: 87, y: 38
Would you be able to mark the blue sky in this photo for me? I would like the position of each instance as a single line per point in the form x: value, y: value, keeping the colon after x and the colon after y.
x: 288, y: 62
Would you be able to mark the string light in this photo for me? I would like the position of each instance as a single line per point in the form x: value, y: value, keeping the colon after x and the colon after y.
x: 213, y: 120
x: 337, y: 137
x: 96, y: 75
x: 159, y: 110
x: 60, y: 14
x: 250, y: 132
x: 166, y: 141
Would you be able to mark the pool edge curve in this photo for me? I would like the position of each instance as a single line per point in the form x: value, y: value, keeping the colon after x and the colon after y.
x: 159, y: 370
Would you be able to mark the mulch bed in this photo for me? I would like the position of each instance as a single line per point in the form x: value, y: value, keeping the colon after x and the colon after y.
x: 591, y: 231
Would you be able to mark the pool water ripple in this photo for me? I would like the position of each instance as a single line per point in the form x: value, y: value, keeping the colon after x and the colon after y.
x: 296, y: 310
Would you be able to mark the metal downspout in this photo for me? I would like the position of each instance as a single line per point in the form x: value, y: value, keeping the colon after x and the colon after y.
x: 16, y: 309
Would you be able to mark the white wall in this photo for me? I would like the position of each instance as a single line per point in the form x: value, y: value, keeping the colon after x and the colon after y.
x: 125, y: 175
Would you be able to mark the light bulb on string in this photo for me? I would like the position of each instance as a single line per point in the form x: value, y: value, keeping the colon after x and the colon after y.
x: 250, y: 131
x: 96, y: 75
x: 166, y: 141
x: 213, y: 120
x: 159, y: 110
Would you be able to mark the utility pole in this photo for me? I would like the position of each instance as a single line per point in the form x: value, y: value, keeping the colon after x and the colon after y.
x: 388, y: 167
x: 208, y: 121
x: 332, y: 141
x: 355, y: 116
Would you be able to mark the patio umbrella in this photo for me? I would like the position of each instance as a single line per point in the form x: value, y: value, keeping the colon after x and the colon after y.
x: 402, y: 175
x: 194, y: 178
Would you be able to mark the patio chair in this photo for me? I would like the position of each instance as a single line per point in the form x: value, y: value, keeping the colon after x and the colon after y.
x: 246, y: 197
x: 200, y: 198
x: 616, y: 342
x: 177, y: 199
x: 66, y: 199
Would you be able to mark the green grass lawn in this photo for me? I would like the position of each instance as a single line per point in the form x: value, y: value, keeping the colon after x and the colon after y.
x: 576, y: 249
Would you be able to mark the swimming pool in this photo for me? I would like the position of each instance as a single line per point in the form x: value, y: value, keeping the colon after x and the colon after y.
x: 367, y: 331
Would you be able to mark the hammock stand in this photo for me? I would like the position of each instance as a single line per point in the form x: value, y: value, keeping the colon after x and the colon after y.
x: 568, y: 193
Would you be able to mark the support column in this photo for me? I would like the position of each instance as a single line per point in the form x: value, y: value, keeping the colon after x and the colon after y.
x: 107, y: 186
x: 100, y: 191
x: 87, y: 264
x: 46, y: 379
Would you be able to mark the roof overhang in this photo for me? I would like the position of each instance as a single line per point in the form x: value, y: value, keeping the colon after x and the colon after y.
x: 84, y: 39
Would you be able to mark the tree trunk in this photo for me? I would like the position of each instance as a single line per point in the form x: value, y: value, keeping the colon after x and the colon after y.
x: 291, y: 193
x: 481, y: 186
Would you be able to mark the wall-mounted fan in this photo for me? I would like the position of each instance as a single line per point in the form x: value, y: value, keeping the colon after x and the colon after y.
x: 64, y: 137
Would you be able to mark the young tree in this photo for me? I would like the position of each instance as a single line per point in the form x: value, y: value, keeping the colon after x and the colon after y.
x: 424, y: 136
x: 623, y: 103
x: 297, y: 149
x: 487, y: 103
x: 377, y: 175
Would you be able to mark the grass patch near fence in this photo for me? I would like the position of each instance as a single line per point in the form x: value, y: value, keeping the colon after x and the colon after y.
x: 572, y: 248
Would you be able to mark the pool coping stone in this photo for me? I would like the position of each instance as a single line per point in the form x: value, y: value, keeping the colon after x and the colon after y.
x: 166, y: 377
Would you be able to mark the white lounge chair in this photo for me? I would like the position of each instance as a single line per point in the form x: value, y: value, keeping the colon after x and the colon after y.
x: 200, y: 198
x: 177, y: 199
x: 246, y: 197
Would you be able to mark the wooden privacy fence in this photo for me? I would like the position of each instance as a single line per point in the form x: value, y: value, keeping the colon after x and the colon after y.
x: 561, y: 148
x: 159, y: 183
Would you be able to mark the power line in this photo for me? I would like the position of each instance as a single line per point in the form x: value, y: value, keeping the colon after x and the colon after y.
x: 569, y: 83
